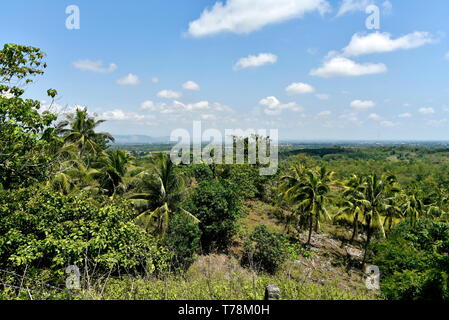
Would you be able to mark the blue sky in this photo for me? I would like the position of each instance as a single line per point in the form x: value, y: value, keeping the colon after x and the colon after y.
x: 310, y: 68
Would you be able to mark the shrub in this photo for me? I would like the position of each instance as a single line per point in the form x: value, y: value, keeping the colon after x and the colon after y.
x: 183, y: 240
x: 217, y: 206
x: 414, y: 261
x: 265, y: 250
x: 46, y: 230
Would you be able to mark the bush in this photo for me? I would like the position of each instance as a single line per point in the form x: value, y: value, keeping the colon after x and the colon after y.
x: 46, y: 230
x: 414, y: 261
x: 265, y: 250
x: 183, y: 240
x: 217, y: 206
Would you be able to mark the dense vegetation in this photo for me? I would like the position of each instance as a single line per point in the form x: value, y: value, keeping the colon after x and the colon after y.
x: 140, y: 227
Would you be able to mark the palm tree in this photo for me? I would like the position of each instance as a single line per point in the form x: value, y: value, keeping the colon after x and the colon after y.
x: 413, y: 206
x: 308, y: 190
x: 354, y: 195
x: 112, y: 167
x: 82, y: 133
x: 379, y: 198
x: 161, y: 191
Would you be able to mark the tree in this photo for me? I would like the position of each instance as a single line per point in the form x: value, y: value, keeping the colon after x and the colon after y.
x: 379, y: 198
x: 217, y: 205
x: 112, y: 167
x: 353, y: 197
x: 26, y: 134
x: 79, y: 129
x: 161, y: 190
x: 308, y: 189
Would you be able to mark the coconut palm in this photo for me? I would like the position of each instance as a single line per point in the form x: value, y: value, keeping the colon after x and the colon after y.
x: 307, y: 190
x: 353, y: 205
x: 79, y: 129
x: 413, y: 206
x: 379, y: 198
x: 112, y: 167
x: 160, y: 191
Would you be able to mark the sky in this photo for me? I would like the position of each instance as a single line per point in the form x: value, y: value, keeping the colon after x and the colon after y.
x: 313, y: 69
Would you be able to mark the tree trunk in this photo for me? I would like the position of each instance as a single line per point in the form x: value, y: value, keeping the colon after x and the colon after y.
x: 356, y: 228
x: 310, y: 228
x: 368, y: 239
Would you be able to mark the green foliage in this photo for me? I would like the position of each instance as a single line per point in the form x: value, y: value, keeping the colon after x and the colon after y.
x: 183, y: 240
x: 414, y: 261
x: 265, y: 250
x: 217, y: 206
x: 47, y: 230
x: 26, y: 135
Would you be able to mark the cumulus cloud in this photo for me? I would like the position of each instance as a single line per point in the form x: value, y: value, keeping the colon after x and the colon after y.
x: 405, y: 115
x: 169, y: 94
x: 120, y: 115
x: 299, y: 88
x: 427, y: 110
x: 348, y: 6
x: 253, y: 61
x: 375, y: 117
x: 191, y: 85
x: 377, y: 42
x: 388, y: 124
x: 362, y: 105
x: 338, y: 66
x: 322, y: 96
x: 178, y: 106
x: 7, y: 95
x: 129, y: 80
x: 325, y: 113
x: 245, y: 16
x: 274, y: 107
x: 94, y: 66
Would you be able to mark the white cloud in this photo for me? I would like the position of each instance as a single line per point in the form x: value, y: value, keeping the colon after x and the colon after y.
x: 427, y: 110
x: 94, y: 66
x: 178, y: 107
x: 362, y: 105
x: 256, y: 61
x: 169, y: 94
x: 387, y: 7
x: 325, y: 113
x: 154, y: 80
x: 382, y: 42
x: 274, y: 107
x: 118, y: 114
x: 323, y: 96
x: 129, y: 80
x: 338, y: 66
x: 375, y: 117
x: 245, y: 16
x: 191, y: 85
x: 353, y: 5
x: 7, y: 95
x: 388, y: 124
x: 299, y: 88
x: 405, y: 115
x: 436, y: 123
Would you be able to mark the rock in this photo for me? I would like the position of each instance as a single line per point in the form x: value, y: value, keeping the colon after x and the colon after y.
x: 272, y: 292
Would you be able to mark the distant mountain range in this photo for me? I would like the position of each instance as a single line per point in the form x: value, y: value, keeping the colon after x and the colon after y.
x: 140, y: 139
